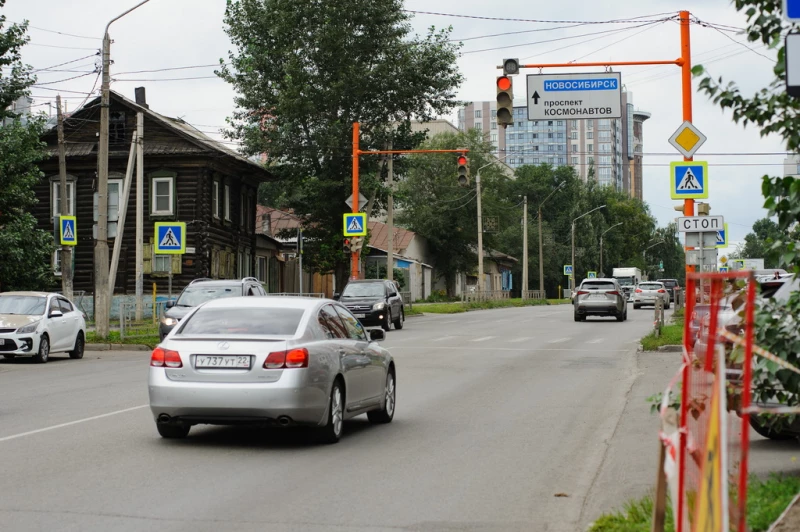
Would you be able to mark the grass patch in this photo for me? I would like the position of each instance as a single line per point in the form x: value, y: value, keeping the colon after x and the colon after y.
x: 766, y: 500
x: 413, y: 311
x: 671, y: 334
x: 455, y: 308
x: 559, y: 301
x: 151, y: 340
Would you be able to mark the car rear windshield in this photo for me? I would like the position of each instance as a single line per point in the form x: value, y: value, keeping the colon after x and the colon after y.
x: 24, y: 305
x: 364, y: 290
x: 651, y: 286
x: 669, y: 283
x: 599, y: 286
x: 243, y: 322
x: 195, y: 295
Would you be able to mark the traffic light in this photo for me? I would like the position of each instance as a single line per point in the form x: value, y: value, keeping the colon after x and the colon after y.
x: 357, y: 243
x: 463, y: 170
x: 510, y: 66
x: 347, y: 246
x: 505, y: 101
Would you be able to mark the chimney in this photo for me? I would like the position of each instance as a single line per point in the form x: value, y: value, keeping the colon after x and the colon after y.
x: 141, y: 98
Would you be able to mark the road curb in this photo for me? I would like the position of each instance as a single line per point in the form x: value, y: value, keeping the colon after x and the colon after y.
x: 670, y: 348
x: 116, y: 347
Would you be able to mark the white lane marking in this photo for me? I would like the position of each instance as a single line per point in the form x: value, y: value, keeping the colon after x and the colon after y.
x: 483, y: 339
x: 447, y: 322
x: 516, y: 349
x: 559, y: 340
x: 518, y: 340
x: 598, y: 341
x: 443, y: 338
x: 62, y: 425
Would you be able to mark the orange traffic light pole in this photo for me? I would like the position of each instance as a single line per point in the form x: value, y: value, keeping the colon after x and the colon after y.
x: 357, y: 152
x: 685, y: 62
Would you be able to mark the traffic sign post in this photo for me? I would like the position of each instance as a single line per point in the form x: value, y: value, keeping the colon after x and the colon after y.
x: 574, y: 96
x: 700, y: 224
x: 792, y: 64
x: 69, y: 230
x: 687, y: 139
x: 688, y: 180
x: 362, y: 201
x: 170, y: 238
x: 355, y: 224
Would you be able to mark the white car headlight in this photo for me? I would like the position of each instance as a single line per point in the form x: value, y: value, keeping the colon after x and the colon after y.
x: 169, y: 322
x: 30, y: 328
x: 378, y: 306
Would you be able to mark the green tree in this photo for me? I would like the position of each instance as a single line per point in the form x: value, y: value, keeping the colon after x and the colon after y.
x: 758, y: 244
x: 304, y: 72
x: 24, y: 250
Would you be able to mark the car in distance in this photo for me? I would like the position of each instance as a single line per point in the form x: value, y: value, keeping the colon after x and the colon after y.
x: 270, y: 362
x: 672, y: 285
x: 649, y: 292
x: 35, y: 324
x: 374, y: 302
x: 202, y: 290
x: 600, y: 297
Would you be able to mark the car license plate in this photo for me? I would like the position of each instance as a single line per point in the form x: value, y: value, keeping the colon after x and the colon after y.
x: 597, y: 296
x: 210, y: 361
x: 360, y: 316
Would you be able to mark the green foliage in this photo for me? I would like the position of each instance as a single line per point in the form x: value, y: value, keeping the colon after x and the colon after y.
x: 758, y: 244
x: 670, y: 335
x: 636, y: 516
x: 378, y: 271
x: 304, y: 72
x: 24, y: 250
x: 457, y: 308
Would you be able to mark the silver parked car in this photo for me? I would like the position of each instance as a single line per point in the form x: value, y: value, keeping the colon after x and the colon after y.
x: 270, y: 361
x: 600, y: 297
x: 648, y: 292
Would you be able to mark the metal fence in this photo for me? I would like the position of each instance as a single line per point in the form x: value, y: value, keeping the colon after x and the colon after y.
x: 407, y: 299
x: 534, y: 294
x: 486, y: 295
x: 129, y: 327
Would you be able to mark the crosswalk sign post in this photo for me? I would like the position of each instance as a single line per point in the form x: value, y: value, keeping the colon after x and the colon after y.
x: 688, y: 180
x: 69, y: 230
x: 355, y: 224
x: 170, y: 238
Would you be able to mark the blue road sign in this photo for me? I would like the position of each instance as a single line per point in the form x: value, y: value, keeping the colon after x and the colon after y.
x: 355, y: 224
x: 722, y: 237
x: 723, y: 269
x: 567, y: 269
x: 591, y: 275
x: 791, y: 10
x: 69, y: 231
x: 689, y: 180
x: 170, y: 238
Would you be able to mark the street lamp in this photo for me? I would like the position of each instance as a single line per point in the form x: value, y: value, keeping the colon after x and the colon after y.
x: 102, y: 307
x: 572, y: 282
x: 541, y: 253
x: 601, y: 246
x: 480, y: 219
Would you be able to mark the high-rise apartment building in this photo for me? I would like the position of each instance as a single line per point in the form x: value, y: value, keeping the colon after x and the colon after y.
x: 610, y: 150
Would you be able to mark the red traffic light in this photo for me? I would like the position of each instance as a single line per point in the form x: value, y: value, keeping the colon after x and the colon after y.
x: 503, y: 83
x: 462, y: 160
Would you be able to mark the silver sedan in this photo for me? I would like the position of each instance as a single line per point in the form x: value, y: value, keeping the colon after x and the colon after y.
x: 279, y: 361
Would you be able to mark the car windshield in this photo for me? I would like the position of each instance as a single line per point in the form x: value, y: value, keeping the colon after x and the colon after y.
x: 243, y: 322
x: 598, y: 286
x: 650, y: 286
x: 670, y: 284
x: 195, y: 295
x: 24, y: 305
x: 363, y: 290
x: 625, y: 281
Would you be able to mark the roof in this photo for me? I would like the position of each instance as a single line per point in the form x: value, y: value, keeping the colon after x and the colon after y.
x: 278, y: 221
x: 32, y: 294
x: 202, y: 142
x: 379, y: 236
x: 492, y: 254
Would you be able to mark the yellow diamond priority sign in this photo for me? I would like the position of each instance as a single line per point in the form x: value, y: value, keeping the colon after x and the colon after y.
x: 687, y: 139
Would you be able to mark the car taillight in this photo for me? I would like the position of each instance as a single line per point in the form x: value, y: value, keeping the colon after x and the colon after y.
x: 295, y: 358
x: 165, y: 358
x: 582, y: 292
x: 638, y: 290
x: 613, y: 293
x: 662, y: 291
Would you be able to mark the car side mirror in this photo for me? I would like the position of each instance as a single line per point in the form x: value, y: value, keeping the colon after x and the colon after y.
x: 170, y: 303
x: 55, y: 314
x: 377, y: 335
x: 336, y: 296
x: 393, y: 294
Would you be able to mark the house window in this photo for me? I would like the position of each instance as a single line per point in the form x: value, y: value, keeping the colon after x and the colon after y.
x: 215, y: 199
x: 549, y: 122
x: 589, y: 124
x: 112, y: 213
x: 604, y: 172
x: 574, y: 135
x: 560, y: 160
x: 162, y: 263
x: 163, y: 195
x: 241, y: 210
x: 116, y: 127
x: 478, y: 126
x: 57, y: 261
x: 261, y: 273
x: 477, y: 113
x: 549, y: 135
x: 589, y: 148
x: 574, y: 160
x: 551, y: 147
x: 574, y: 148
x: 560, y: 135
x: 535, y: 160
x: 494, y: 125
x: 605, y: 147
x: 55, y: 198
x: 589, y: 135
x: 494, y: 137
x: 226, y: 203
x: 494, y: 113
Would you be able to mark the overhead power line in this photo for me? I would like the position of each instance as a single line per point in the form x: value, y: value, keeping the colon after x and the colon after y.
x: 67, y: 62
x: 169, y: 68
x: 61, y: 47
x: 539, y: 21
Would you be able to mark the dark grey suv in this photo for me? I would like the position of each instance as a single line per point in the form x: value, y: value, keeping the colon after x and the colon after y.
x: 374, y: 302
x: 201, y: 290
x: 600, y: 297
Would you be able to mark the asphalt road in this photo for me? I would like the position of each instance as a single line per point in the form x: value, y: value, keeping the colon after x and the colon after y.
x: 504, y: 422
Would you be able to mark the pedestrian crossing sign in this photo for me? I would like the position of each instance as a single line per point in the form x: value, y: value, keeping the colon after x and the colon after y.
x: 355, y: 224
x: 689, y: 180
x: 722, y: 237
x: 170, y: 238
x: 723, y: 269
x: 69, y: 231
x: 591, y: 275
x: 567, y: 269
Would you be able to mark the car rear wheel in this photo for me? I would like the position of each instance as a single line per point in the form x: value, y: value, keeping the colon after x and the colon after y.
x: 636, y: 306
x: 80, y: 344
x: 399, y: 323
x: 43, y: 355
x: 332, y: 431
x: 173, y: 431
x: 385, y: 414
x: 577, y: 317
x: 621, y: 316
x: 387, y: 320
x: 768, y: 432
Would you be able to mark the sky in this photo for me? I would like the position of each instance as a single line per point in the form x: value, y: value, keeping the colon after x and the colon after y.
x: 167, y: 34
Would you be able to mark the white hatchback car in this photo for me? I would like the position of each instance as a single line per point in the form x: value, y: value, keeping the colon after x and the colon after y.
x: 648, y: 292
x: 34, y: 324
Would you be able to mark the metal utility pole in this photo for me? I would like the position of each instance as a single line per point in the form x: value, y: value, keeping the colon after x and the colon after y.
x: 525, y: 247
x: 102, y: 309
x: 139, y: 215
x: 541, y: 249
x: 601, y: 246
x: 390, y: 217
x: 66, y: 251
x: 574, y: 269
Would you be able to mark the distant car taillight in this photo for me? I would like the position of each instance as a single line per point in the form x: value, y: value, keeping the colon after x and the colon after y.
x: 638, y: 290
x: 662, y: 291
x: 165, y: 358
x: 581, y: 293
x: 613, y: 293
x: 295, y: 358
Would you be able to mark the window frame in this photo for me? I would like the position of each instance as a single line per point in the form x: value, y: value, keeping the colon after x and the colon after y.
x: 226, y: 202
x: 170, y: 178
x: 215, y: 199
x: 55, y: 200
